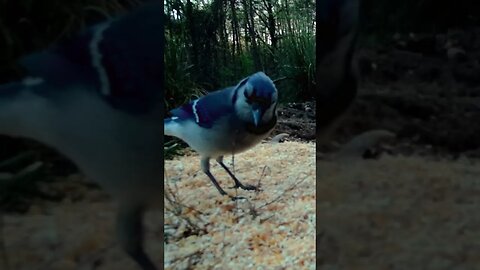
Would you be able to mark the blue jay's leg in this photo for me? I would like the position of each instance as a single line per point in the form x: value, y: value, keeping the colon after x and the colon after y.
x: 238, y: 184
x: 130, y: 233
x: 205, y: 162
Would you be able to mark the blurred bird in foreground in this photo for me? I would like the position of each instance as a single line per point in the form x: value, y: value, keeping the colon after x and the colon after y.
x: 97, y: 99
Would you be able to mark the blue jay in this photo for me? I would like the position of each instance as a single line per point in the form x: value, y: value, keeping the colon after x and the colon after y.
x: 227, y: 121
x: 97, y: 99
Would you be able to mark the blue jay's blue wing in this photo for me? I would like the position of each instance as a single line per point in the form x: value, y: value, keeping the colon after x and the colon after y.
x: 207, y: 109
x: 121, y: 58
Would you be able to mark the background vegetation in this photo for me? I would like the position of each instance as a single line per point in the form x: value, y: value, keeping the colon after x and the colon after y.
x: 211, y: 44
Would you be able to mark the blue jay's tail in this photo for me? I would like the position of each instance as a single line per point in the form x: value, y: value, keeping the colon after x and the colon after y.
x: 171, y: 127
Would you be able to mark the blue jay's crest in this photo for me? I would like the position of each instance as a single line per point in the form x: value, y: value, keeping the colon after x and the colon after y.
x: 121, y: 59
x: 256, y: 103
x: 263, y: 86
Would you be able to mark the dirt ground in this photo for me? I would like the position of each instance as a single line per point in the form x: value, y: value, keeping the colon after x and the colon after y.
x: 417, y: 206
x: 270, y: 229
x: 398, y: 213
x: 425, y: 88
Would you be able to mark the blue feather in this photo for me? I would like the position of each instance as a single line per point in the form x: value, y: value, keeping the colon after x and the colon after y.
x: 207, y: 109
x: 264, y: 87
x: 131, y: 58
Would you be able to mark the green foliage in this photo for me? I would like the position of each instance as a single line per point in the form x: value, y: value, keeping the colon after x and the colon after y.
x: 213, y: 44
x: 296, y: 61
x: 180, y: 86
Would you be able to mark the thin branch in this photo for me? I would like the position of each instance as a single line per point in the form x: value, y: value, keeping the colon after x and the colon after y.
x: 281, y: 79
x: 279, y: 197
x: 188, y: 256
x: 178, y: 206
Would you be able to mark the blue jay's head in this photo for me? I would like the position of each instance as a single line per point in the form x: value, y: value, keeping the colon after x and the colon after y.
x: 256, y: 99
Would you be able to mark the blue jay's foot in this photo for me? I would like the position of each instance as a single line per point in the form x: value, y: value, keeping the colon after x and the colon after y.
x: 244, y: 187
x: 205, y: 162
x: 238, y: 184
x: 236, y: 198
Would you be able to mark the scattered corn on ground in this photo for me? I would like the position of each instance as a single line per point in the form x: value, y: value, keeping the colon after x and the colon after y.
x: 271, y: 229
x: 391, y: 213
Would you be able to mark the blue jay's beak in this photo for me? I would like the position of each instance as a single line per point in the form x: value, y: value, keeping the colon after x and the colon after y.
x: 257, y: 115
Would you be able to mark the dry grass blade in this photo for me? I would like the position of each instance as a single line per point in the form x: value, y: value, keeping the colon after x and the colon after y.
x: 176, y: 206
x: 282, y: 195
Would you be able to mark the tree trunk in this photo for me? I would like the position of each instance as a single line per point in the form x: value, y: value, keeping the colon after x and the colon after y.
x: 271, y: 24
x: 236, y: 34
x: 250, y: 25
x: 193, y: 36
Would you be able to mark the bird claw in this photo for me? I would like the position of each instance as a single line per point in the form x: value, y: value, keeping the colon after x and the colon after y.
x: 249, y: 187
x: 236, y: 198
x: 244, y: 187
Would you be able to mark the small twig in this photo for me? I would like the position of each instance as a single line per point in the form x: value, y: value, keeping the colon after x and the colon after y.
x: 279, y: 137
x: 188, y: 256
x: 223, y: 241
x: 177, y: 207
x: 251, y: 206
x: 283, y: 193
x: 5, y: 164
x: 254, y: 210
x: 29, y: 170
x: 259, y: 183
x: 281, y: 79
x: 265, y: 219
